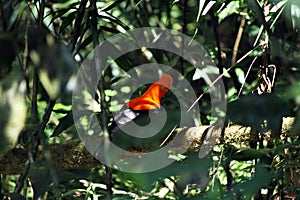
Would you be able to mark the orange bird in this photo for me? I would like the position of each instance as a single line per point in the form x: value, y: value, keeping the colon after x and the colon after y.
x: 150, y: 100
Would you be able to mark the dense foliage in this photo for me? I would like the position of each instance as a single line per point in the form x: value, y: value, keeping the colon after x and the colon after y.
x: 255, y: 45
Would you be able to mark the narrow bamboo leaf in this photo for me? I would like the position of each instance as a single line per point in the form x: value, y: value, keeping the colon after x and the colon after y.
x: 64, y: 123
x: 111, y: 6
x: 254, y: 5
x: 113, y: 19
x: 68, y: 20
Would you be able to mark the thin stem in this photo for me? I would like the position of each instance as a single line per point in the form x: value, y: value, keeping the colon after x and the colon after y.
x: 32, y: 156
x: 40, y: 134
x: 34, y: 107
x: 26, y: 51
x: 23, y: 177
x: 103, y: 107
x: 247, y: 74
x: 183, y: 31
x: 219, y: 53
x: 238, y: 38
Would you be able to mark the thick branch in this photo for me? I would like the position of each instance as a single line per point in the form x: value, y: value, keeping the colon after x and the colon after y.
x: 73, y: 155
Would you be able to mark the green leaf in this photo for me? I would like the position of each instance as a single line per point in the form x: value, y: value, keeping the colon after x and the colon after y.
x: 61, y: 12
x: 54, y: 63
x: 261, y: 178
x: 229, y: 10
x: 64, y: 123
x: 192, y: 170
x: 12, y: 109
x: 250, y: 154
x: 252, y: 110
x: 111, y: 6
x: 40, y: 177
x: 114, y: 19
x: 65, y: 175
x: 295, y: 12
x: 254, y: 5
x: 68, y: 21
x: 122, y: 196
x: 108, y: 29
x: 16, y: 196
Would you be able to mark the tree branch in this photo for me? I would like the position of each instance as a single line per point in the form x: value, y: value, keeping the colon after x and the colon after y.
x: 73, y: 155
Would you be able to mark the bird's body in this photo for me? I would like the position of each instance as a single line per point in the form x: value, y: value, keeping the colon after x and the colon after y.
x: 139, y: 124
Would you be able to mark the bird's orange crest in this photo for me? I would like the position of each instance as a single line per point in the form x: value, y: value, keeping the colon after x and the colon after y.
x: 151, y: 98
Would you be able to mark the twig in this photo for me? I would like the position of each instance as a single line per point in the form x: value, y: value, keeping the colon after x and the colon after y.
x: 103, y: 107
x: 32, y: 157
x: 26, y: 52
x: 250, y: 67
x: 219, y: 52
x: 171, y: 132
x: 22, y: 178
x: 45, y: 119
x: 226, y: 71
x: 238, y: 38
x: 34, y: 108
x: 218, y: 167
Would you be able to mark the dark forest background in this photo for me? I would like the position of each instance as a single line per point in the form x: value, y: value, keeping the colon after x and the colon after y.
x: 255, y: 45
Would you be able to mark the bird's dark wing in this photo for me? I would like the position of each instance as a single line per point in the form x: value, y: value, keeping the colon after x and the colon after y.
x: 150, y: 128
x: 124, y: 116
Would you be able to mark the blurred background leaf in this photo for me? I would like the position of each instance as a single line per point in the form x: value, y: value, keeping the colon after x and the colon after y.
x: 13, y: 109
x: 55, y: 64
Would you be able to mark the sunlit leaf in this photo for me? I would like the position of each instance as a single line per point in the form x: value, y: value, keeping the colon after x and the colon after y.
x: 295, y: 13
x: 208, y: 7
x: 229, y: 10
x: 112, y: 5
x: 251, y: 187
x: 12, y: 109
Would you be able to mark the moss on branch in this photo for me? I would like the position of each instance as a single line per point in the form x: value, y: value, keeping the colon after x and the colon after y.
x: 73, y: 155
